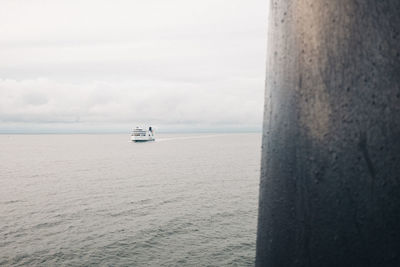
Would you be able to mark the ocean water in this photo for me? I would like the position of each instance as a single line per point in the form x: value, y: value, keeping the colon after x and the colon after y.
x: 80, y: 200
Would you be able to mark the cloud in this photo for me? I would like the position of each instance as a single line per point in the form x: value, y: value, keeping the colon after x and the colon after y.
x: 111, y: 65
x: 46, y: 101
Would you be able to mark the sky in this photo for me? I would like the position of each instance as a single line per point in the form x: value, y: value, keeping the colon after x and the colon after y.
x: 107, y: 66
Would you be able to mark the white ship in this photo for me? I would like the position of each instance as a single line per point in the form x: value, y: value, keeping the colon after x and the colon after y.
x: 142, y: 135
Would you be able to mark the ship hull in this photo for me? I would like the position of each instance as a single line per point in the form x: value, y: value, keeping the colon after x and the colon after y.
x: 142, y: 141
x: 142, y: 138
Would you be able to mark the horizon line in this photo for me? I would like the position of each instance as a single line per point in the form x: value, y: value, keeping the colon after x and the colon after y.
x: 128, y: 132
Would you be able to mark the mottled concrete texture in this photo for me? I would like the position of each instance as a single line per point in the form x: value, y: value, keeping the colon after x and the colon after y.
x: 330, y: 177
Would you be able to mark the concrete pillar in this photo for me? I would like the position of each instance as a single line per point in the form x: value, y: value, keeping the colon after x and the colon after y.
x: 330, y: 176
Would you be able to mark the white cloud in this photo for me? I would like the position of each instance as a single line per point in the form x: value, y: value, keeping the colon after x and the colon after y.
x: 111, y: 64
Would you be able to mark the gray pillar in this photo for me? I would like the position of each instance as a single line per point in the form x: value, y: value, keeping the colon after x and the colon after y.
x: 330, y: 176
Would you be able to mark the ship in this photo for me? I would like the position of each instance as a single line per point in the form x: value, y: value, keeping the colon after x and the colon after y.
x: 141, y: 135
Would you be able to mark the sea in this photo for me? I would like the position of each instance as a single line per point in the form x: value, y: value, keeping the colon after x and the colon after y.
x: 101, y: 200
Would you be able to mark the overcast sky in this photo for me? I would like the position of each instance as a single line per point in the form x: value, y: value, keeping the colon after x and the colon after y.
x: 96, y: 65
